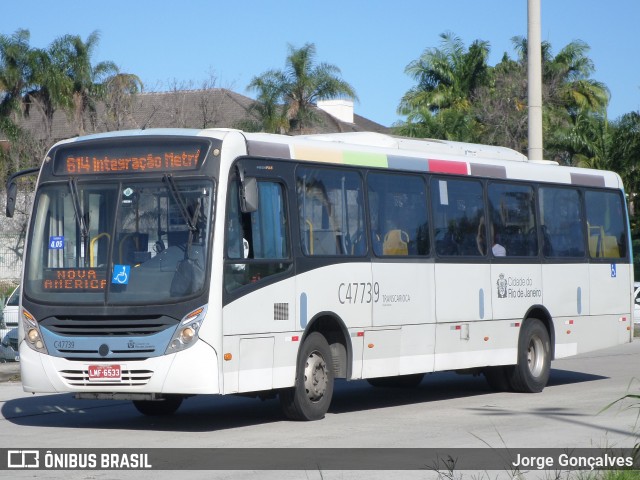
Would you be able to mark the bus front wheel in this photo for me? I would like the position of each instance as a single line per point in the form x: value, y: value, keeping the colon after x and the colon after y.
x: 531, y: 373
x: 310, y: 397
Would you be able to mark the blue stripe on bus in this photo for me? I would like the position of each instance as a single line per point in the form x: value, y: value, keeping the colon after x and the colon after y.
x: 303, y: 311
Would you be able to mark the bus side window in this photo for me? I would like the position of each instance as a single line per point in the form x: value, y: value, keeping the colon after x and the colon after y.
x: 331, y: 212
x: 399, y: 219
x: 256, y: 243
x: 561, y: 221
x: 512, y: 213
x: 458, y: 208
x: 605, y: 220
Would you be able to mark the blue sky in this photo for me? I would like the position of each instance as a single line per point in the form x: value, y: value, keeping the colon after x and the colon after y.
x: 186, y: 43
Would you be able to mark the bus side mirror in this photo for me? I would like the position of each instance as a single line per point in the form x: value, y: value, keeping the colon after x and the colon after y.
x: 249, y: 195
x: 12, y: 193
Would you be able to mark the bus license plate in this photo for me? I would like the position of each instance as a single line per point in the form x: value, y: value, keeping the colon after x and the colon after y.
x: 105, y: 372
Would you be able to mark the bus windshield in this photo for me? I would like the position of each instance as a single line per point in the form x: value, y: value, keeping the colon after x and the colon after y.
x: 127, y: 242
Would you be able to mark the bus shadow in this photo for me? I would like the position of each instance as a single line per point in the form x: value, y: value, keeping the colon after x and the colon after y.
x: 205, y: 413
x: 435, y: 387
x: 201, y: 413
x: 568, y: 377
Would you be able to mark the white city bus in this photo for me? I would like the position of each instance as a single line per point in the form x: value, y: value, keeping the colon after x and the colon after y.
x: 161, y: 264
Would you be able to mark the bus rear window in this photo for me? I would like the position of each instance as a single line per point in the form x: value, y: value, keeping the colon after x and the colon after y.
x: 605, y: 221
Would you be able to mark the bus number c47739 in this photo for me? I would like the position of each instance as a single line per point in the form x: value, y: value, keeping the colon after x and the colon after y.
x: 358, y: 292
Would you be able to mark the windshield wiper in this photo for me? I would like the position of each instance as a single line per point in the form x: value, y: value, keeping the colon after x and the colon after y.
x: 80, y: 218
x: 191, y: 221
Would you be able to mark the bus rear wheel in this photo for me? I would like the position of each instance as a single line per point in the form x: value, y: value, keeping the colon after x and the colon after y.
x: 531, y: 373
x: 310, y: 397
x: 156, y: 408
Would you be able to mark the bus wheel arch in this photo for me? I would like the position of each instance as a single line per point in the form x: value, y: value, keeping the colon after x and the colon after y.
x: 542, y: 314
x: 335, y: 332
x: 322, y: 357
x: 536, y: 343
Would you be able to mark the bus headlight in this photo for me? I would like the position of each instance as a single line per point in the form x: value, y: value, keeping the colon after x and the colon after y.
x: 32, y: 334
x: 187, y: 332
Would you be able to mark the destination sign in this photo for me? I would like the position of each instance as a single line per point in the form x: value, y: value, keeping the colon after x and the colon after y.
x: 74, y: 279
x: 138, y: 157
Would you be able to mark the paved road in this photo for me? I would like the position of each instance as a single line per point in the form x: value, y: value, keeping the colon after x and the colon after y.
x: 445, y: 411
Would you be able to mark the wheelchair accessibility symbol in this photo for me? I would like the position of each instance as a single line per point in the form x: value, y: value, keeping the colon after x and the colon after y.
x: 120, y: 274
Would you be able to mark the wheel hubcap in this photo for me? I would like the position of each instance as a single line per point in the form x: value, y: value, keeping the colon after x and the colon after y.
x: 535, y: 356
x: 315, y: 377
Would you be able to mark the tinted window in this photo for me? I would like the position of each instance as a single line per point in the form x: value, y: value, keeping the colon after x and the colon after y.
x: 512, y: 230
x: 605, y: 219
x: 257, y: 243
x: 134, y: 242
x: 458, y: 217
x: 399, y: 221
x: 331, y: 212
x: 561, y: 222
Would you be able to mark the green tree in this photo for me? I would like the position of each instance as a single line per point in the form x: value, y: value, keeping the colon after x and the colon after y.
x: 447, y: 77
x: 500, y: 106
x: 269, y: 107
x: 19, y: 67
x: 88, y: 81
x: 299, y: 86
x: 17, y: 61
x: 574, y: 105
x: 50, y: 89
x: 118, y: 94
x: 625, y: 154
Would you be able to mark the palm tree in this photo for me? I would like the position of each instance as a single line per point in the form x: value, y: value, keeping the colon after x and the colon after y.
x: 75, y: 56
x: 118, y: 93
x: 566, y: 78
x: 586, y: 142
x: 575, y: 108
x: 19, y: 66
x: 16, y: 76
x: 574, y: 105
x: 301, y: 84
x: 625, y: 151
x: 51, y: 89
x: 447, y: 78
x: 269, y: 107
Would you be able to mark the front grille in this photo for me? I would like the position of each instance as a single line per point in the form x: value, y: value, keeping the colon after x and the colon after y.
x: 130, y: 378
x: 108, y: 326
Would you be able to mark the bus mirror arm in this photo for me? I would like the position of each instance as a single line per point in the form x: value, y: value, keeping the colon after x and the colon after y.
x: 12, y: 193
x: 12, y: 189
x: 248, y: 195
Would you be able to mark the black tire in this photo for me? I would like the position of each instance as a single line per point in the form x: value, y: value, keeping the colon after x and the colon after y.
x: 155, y: 408
x: 310, y: 397
x: 498, y: 377
x: 531, y: 373
x: 401, y: 381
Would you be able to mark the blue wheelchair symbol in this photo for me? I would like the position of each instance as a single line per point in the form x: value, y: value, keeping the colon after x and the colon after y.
x: 121, y: 274
x: 613, y: 270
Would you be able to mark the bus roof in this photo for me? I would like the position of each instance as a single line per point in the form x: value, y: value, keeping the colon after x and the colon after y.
x: 423, y: 155
x: 372, y: 149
